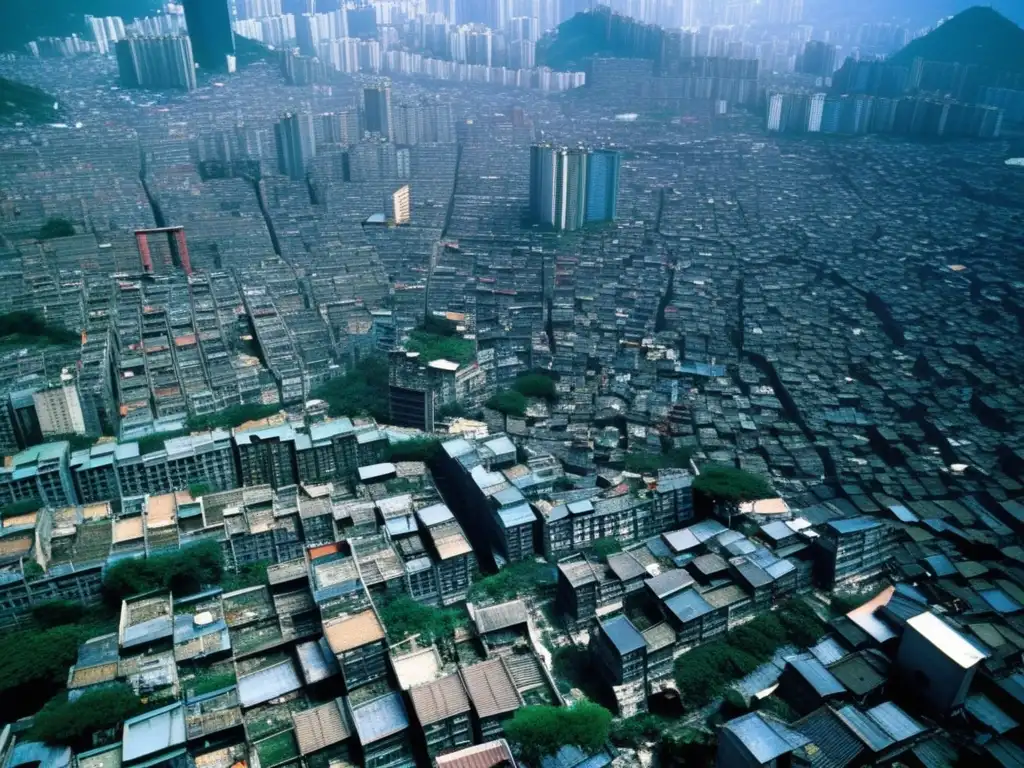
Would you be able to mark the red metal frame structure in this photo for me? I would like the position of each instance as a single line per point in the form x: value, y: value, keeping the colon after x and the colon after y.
x: 179, y: 245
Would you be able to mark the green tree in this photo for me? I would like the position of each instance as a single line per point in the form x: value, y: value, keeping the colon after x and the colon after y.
x: 362, y: 391
x: 727, y: 487
x: 509, y: 402
x: 183, y: 572
x: 34, y: 666
x: 56, y: 227
x: 231, y: 417
x: 645, y: 463
x: 73, y: 723
x: 415, y: 449
x: 198, y: 490
x: 541, y: 731
x: 56, y: 613
x: 18, y: 508
x: 637, y: 730
x: 405, y: 617
x: 433, y: 346
x: 536, y: 385
x: 249, y: 575
x: 606, y: 546
x: 512, y: 581
x: 29, y: 325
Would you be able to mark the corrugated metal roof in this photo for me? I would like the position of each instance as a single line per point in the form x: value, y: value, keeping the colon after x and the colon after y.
x: 895, y: 722
x: 623, y: 635
x: 491, y: 688
x: 1006, y: 753
x: 953, y: 644
x: 439, y: 700
x: 669, y: 582
x: 832, y: 743
x: 380, y: 718
x: 321, y: 727
x: 765, y: 738
x: 268, y: 683
x: 828, y: 650
x: 986, y: 712
x: 814, y: 673
x: 489, y: 755
x: 936, y: 752
x: 867, y: 730
x: 688, y: 605
x: 350, y: 632
x: 316, y: 660
x: 153, y: 732
x: 498, y: 617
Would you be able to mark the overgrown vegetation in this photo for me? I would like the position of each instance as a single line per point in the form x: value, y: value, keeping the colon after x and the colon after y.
x: 703, y: 673
x: 404, y: 617
x: 649, y: 463
x: 21, y: 102
x: 34, y: 666
x: 231, y: 417
x: 606, y: 546
x: 637, y: 730
x: 727, y: 487
x: 73, y: 723
x: 30, y: 328
x: 512, y: 581
x: 75, y: 442
x: 18, y: 508
x: 362, y: 391
x: 154, y: 443
x: 56, y: 227
x: 541, y: 731
x: 249, y: 575
x: 597, y: 32
x: 536, y: 385
x: 415, y: 449
x: 184, y: 571
x: 509, y: 402
x: 56, y: 613
x: 198, y: 490
x: 435, y: 346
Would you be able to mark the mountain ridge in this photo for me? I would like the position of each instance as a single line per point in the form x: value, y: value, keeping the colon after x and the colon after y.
x: 979, y: 35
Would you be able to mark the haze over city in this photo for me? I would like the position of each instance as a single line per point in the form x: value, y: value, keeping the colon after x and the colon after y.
x: 541, y: 383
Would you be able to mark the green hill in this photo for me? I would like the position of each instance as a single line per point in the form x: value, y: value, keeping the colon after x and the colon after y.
x: 598, y: 32
x: 979, y: 35
x: 23, y: 103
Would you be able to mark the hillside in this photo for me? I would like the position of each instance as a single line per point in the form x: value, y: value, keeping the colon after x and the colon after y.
x: 25, y: 21
x: 598, y: 32
x: 978, y: 36
x: 20, y: 102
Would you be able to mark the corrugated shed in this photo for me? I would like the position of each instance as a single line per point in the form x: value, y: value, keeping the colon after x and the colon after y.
x: 439, y: 700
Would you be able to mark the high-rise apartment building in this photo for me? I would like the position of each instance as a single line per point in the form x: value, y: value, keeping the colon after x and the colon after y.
x: 819, y: 59
x: 156, y: 62
x: 105, y: 31
x: 602, y: 185
x: 377, y: 110
x: 59, y: 410
x: 561, y: 187
x: 209, y: 27
x: 296, y: 144
x: 397, y: 205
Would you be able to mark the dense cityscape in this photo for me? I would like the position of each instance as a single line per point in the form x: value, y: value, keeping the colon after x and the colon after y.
x: 497, y: 383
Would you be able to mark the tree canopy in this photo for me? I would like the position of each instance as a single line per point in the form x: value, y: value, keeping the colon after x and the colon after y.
x: 434, y: 346
x: 30, y: 326
x: 56, y: 227
x: 184, y: 571
x: 73, y: 723
x: 703, y: 673
x: 540, y: 731
x: 649, y: 463
x: 512, y: 581
x: 34, y: 666
x: 362, y: 391
x: 415, y: 449
x: 232, y: 417
x: 730, y: 485
x: 17, y: 508
x: 405, y: 617
x: 536, y: 385
x: 509, y: 402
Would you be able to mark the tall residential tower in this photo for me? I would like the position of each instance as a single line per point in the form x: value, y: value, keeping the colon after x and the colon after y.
x: 209, y: 27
